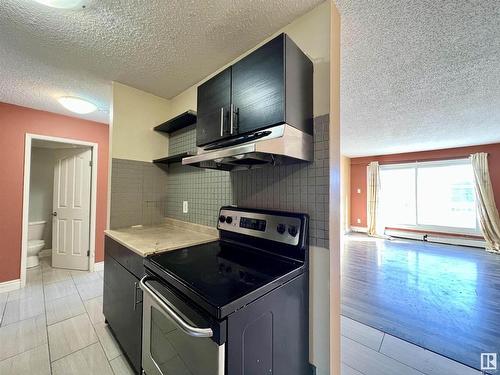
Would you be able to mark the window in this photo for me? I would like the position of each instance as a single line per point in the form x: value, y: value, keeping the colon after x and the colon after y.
x: 433, y: 195
x: 397, y: 195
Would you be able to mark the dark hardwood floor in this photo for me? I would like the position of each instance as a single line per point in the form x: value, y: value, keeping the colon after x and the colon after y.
x: 441, y: 297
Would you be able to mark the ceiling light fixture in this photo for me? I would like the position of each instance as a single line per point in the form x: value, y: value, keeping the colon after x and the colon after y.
x: 77, y: 105
x: 62, y: 4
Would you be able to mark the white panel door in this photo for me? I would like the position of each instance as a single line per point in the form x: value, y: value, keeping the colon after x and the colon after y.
x: 71, y: 209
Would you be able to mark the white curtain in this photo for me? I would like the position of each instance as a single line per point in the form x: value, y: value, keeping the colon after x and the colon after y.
x: 488, y: 212
x: 373, y: 195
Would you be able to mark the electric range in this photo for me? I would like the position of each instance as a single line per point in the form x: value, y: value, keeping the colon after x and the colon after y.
x: 238, y: 305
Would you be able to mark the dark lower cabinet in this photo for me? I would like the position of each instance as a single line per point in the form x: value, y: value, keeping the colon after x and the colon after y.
x: 122, y: 300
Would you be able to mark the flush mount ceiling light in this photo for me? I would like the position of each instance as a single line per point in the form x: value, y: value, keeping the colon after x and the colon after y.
x: 77, y: 105
x: 62, y: 4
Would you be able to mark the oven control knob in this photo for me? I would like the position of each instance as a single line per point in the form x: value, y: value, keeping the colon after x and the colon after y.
x: 292, y: 230
x: 222, y: 218
x: 229, y: 219
x: 281, y: 228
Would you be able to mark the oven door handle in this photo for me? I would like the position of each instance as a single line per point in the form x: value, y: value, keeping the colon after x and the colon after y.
x: 183, y: 325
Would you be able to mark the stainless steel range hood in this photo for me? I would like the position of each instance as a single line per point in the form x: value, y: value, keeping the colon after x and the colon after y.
x: 282, y: 144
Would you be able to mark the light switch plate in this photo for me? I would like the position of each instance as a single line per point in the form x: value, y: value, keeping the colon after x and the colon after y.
x: 359, y: 191
x: 184, y: 207
x: 359, y: 221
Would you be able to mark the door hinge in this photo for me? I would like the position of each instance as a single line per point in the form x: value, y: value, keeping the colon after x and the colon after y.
x: 90, y: 163
x: 88, y: 253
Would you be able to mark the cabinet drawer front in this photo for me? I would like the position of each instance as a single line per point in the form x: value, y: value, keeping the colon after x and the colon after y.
x: 258, y: 87
x: 126, y: 257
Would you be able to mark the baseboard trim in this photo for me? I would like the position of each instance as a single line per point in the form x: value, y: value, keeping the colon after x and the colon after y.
x: 99, y: 266
x: 9, y: 286
x: 45, y: 253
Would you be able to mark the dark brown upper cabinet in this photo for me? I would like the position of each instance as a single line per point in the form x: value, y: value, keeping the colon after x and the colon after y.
x: 270, y: 86
x: 214, y: 101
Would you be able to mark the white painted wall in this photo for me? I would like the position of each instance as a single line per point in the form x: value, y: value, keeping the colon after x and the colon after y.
x: 319, y: 309
x: 134, y: 115
x: 41, y: 189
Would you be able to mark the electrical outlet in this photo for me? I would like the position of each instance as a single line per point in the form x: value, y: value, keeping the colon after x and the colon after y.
x: 359, y: 221
x: 185, y: 207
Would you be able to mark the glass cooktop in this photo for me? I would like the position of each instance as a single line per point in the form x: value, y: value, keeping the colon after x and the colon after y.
x: 222, y: 273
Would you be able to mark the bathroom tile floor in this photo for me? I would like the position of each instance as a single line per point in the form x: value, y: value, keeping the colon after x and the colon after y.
x: 55, y: 325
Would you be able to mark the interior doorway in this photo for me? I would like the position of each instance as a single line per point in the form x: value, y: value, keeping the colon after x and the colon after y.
x: 59, y: 203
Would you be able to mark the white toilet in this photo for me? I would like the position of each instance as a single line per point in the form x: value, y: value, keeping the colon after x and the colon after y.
x: 35, y: 242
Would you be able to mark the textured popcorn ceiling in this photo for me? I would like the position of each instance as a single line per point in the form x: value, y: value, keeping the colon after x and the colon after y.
x: 158, y: 46
x: 419, y: 75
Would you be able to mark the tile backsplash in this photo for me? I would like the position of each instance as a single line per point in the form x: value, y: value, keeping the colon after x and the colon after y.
x: 183, y: 140
x: 144, y: 193
x: 301, y: 187
x: 205, y: 190
x: 138, y: 193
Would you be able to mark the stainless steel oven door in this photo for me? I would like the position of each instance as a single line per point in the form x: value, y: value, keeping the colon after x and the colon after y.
x: 172, y: 344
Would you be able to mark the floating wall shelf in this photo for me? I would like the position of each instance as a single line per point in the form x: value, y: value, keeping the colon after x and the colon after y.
x: 178, y: 122
x: 172, y: 159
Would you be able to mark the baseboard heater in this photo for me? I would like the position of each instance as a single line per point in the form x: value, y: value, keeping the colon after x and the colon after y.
x: 358, y: 229
x: 450, y: 240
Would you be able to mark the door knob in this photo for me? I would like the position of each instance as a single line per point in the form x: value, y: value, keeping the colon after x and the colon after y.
x: 54, y: 213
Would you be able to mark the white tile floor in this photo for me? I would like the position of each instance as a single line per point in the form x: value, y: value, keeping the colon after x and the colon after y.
x: 55, y: 325
x: 368, y: 351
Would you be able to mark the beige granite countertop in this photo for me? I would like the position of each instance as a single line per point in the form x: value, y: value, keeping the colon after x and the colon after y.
x: 169, y: 235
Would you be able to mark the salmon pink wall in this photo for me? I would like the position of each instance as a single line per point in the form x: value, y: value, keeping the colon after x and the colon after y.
x: 15, y: 122
x: 358, y: 172
x: 358, y: 194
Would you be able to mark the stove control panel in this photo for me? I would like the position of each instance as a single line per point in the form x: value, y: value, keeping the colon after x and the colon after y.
x: 252, y: 223
x: 273, y: 227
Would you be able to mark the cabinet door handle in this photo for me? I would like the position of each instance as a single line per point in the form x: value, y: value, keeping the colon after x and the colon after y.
x: 232, y: 118
x: 168, y: 311
x: 222, y: 121
x: 136, y: 288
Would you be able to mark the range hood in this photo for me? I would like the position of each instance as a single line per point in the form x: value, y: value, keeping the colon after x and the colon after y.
x: 279, y: 145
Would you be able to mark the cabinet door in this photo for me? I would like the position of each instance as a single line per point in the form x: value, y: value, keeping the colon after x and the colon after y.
x: 122, y: 310
x: 258, y: 85
x: 214, y: 99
